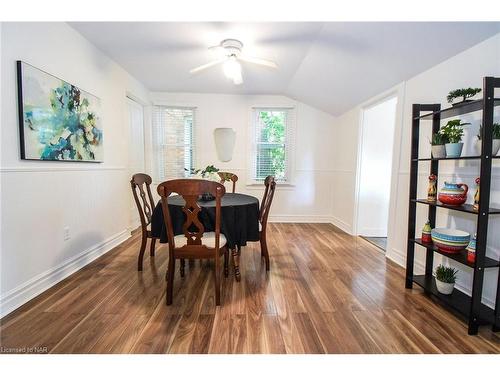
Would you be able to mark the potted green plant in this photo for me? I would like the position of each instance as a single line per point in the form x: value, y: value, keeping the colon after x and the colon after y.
x: 496, y: 139
x: 438, y: 148
x: 465, y: 94
x: 445, y: 279
x: 454, y: 132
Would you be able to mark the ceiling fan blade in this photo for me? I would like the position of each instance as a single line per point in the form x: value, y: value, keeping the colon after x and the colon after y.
x: 206, y: 66
x: 254, y: 60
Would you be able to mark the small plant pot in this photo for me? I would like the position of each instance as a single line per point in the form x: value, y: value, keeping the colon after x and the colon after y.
x: 444, y: 288
x: 454, y: 150
x: 438, y: 151
x: 477, y: 146
x: 494, y: 149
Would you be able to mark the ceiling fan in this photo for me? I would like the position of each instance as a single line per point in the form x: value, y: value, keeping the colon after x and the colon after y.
x: 231, y: 50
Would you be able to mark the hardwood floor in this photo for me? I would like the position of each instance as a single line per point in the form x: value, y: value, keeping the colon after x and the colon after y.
x: 327, y: 292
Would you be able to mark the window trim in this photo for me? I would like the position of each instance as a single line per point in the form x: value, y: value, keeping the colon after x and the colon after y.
x: 289, y: 145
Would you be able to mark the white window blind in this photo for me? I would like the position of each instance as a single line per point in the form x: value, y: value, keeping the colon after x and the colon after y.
x: 272, y: 143
x: 173, y: 139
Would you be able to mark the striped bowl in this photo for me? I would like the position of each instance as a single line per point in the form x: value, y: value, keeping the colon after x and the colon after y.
x: 450, y: 240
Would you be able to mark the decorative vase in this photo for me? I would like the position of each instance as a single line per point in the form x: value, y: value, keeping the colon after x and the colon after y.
x: 432, y: 190
x: 471, y: 250
x: 444, y: 288
x: 438, y: 151
x: 476, y: 196
x: 426, y: 233
x: 454, y: 150
x: 453, y: 194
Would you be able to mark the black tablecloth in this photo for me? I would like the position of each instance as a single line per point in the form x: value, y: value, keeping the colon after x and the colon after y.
x: 239, y: 221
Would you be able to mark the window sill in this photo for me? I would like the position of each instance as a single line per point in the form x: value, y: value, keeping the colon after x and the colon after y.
x: 281, y: 186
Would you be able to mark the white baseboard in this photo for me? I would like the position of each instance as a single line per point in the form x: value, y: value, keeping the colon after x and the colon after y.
x: 341, y: 225
x: 40, y: 283
x: 300, y: 219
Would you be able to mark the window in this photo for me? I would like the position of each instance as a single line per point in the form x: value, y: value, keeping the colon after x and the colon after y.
x: 272, y: 143
x: 173, y: 137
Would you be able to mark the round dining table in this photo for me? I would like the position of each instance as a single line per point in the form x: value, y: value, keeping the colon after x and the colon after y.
x: 239, y: 220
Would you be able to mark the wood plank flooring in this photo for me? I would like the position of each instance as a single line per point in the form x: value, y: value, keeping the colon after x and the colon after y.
x: 327, y: 292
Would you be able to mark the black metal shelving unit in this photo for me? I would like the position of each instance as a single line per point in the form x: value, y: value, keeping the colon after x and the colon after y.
x: 470, y: 307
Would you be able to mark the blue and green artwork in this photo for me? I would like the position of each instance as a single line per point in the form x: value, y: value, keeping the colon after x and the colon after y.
x: 58, y: 121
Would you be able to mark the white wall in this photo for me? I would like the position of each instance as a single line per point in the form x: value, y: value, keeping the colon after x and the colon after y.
x: 463, y: 70
x: 39, y: 198
x: 307, y: 201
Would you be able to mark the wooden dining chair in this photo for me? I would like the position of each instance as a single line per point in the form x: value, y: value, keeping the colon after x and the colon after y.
x: 141, y: 182
x: 265, y: 207
x: 228, y: 176
x: 194, y: 243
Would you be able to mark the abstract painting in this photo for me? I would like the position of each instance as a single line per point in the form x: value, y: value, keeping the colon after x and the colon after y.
x: 57, y: 120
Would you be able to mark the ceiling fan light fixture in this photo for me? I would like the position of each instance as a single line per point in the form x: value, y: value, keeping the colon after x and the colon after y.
x: 232, y: 68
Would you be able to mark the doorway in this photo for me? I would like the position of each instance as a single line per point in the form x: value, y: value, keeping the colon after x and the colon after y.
x: 136, y: 160
x: 375, y: 170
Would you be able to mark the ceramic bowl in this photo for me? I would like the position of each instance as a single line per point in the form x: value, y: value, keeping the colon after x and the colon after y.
x: 450, y: 240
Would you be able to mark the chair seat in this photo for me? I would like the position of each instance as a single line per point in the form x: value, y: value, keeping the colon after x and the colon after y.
x: 208, y: 240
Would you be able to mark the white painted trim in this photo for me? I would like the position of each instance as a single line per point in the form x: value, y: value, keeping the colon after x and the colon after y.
x: 61, y: 169
x: 342, y: 225
x: 40, y: 283
x: 300, y: 219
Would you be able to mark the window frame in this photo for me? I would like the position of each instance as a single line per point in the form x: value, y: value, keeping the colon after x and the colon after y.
x: 290, y: 127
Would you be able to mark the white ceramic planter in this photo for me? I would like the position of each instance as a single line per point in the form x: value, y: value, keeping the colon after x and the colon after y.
x: 438, y: 151
x: 444, y: 288
x: 494, y: 149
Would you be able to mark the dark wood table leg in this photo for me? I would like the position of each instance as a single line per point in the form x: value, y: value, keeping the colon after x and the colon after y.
x: 236, y: 262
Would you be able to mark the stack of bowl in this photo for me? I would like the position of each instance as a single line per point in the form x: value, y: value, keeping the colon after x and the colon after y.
x: 450, y: 240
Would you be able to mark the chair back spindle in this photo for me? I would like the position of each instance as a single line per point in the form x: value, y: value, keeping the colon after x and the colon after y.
x: 141, y: 190
x: 228, y: 176
x: 267, y: 199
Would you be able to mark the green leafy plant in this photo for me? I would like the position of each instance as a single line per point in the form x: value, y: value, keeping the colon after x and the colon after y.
x: 203, y: 172
x: 496, y: 131
x: 462, y: 93
x: 439, y: 139
x: 446, y: 274
x: 453, y: 130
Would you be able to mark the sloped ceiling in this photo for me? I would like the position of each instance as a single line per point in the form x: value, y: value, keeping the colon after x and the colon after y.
x: 332, y: 66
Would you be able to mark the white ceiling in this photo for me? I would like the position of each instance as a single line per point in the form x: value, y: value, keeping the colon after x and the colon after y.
x: 332, y: 66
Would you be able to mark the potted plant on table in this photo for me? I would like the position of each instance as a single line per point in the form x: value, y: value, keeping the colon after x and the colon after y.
x: 465, y: 94
x: 438, y: 149
x: 454, y: 132
x: 496, y: 139
x: 209, y: 173
x: 445, y: 279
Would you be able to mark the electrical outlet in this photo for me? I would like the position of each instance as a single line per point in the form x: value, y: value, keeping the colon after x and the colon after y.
x: 66, y: 233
